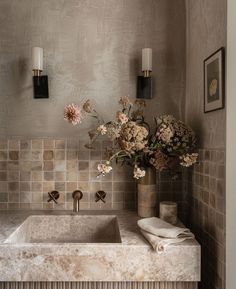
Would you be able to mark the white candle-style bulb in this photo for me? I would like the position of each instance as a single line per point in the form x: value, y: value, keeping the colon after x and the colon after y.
x: 146, y: 59
x: 37, y: 58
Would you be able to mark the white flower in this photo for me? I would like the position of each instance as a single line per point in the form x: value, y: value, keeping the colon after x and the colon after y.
x: 138, y: 173
x: 104, y: 169
x: 188, y: 160
x: 102, y: 129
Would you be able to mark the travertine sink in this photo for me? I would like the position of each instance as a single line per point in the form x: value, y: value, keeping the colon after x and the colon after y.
x: 67, y: 229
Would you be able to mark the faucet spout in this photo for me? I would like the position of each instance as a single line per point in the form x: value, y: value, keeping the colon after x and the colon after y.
x: 77, y: 196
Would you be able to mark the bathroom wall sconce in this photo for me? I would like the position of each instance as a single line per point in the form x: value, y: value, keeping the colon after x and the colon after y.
x: 144, y: 84
x: 40, y: 82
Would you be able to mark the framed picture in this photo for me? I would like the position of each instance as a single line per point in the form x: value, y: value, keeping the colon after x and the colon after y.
x: 214, y: 81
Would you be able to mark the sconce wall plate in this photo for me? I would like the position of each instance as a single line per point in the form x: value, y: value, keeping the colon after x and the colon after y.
x: 40, y: 86
x: 144, y: 87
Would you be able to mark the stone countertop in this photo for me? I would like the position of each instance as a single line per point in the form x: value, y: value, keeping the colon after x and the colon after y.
x: 133, y: 259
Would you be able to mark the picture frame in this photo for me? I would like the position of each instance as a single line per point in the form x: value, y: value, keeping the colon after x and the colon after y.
x: 214, y: 81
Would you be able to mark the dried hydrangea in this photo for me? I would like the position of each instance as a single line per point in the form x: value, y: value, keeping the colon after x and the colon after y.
x: 138, y: 172
x: 72, y: 113
x: 125, y: 102
x: 140, y: 102
x: 159, y: 160
x: 113, y: 131
x: 133, y: 137
x: 188, y: 160
x: 174, y: 136
x: 87, y: 106
x: 122, y: 117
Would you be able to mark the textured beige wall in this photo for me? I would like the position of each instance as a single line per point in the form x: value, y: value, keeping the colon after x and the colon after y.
x: 206, y: 32
x: 92, y: 49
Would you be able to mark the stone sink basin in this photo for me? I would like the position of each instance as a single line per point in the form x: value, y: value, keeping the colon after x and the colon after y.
x: 67, y: 229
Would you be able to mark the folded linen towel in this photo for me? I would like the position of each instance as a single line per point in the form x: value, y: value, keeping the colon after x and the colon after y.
x: 160, y: 234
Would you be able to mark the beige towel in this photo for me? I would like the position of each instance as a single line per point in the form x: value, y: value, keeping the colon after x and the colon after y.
x: 160, y: 234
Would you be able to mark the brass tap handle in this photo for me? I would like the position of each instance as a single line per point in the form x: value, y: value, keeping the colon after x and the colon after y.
x: 100, y: 195
x: 53, y: 196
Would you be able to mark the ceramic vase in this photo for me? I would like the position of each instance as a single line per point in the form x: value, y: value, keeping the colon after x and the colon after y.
x: 147, y: 194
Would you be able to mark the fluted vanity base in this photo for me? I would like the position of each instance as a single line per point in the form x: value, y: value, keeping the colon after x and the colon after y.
x: 98, y: 285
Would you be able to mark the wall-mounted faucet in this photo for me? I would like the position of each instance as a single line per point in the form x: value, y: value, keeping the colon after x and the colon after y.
x: 77, y: 196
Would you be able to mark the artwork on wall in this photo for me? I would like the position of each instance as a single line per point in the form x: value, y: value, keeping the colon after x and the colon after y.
x: 214, y: 81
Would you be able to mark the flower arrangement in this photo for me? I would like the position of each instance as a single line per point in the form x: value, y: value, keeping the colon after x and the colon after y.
x: 171, y: 143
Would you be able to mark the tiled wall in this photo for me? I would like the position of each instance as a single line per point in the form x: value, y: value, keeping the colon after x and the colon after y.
x: 29, y: 169
x: 206, y: 187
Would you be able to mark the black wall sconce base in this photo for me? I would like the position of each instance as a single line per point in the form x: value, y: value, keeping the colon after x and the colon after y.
x: 40, y: 86
x: 144, y: 87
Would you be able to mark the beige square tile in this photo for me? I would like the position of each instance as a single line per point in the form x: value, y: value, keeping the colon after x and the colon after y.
x: 25, y: 166
x: 37, y: 176
x: 13, y: 155
x: 13, y: 197
x: 60, y: 176
x: 25, y: 145
x: 25, y: 176
x: 13, y: 176
x: 72, y: 165
x: 60, y: 144
x: 68, y: 197
x: 83, y: 155
x: 84, y: 206
x: 36, y: 166
x: 25, y: 197
x: 3, y: 186
x: 48, y: 165
x: 3, y: 155
x: 13, y: 186
x: 95, y: 186
x: 48, y: 186
x: 3, y: 165
x: 59, y: 155
x: 25, y: 186
x: 83, y: 176
x: 48, y: 176
x: 36, y: 155
x: 71, y: 186
x: 83, y: 165
x: 69, y: 206
x: 48, y: 144
x: 71, y: 155
x: 72, y: 176
x: 60, y: 166
x: 48, y: 155
x: 3, y: 197
x: 3, y: 144
x: 96, y: 155
x: 37, y: 197
x: 25, y: 155
x: 36, y: 186
x: 37, y: 144
x: 3, y: 176
x: 60, y: 186
x: 14, y: 144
